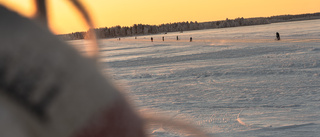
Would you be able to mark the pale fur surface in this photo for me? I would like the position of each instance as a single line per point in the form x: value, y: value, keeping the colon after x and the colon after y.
x: 32, y: 54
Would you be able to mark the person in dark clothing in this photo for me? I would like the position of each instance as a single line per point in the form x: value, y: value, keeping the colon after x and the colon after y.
x: 190, y: 39
x: 278, y: 36
x: 162, y: 38
x: 177, y: 38
x: 151, y: 39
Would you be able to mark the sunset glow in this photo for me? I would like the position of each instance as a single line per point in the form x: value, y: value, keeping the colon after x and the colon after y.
x: 64, y: 19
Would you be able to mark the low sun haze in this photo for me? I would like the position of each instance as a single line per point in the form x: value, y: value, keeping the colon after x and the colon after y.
x: 64, y: 19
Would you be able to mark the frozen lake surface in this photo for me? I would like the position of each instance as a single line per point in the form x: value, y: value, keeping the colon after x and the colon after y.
x: 230, y: 82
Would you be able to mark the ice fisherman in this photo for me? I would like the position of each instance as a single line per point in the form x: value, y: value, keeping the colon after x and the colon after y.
x: 151, y: 39
x: 278, y: 36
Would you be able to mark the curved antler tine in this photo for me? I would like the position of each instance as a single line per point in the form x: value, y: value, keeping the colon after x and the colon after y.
x: 92, y: 50
x: 41, y: 13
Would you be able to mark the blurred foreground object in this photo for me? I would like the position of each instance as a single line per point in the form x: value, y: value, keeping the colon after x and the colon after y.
x: 47, y: 89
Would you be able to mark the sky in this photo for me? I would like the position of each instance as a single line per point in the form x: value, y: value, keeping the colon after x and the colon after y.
x: 63, y: 18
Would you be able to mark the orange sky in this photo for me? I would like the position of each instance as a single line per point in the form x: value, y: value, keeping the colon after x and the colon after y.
x: 107, y: 13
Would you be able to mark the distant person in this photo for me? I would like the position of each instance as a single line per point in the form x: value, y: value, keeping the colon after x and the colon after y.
x: 190, y: 39
x: 119, y: 39
x: 278, y: 36
x: 135, y: 37
x: 162, y: 38
x: 177, y: 38
x: 151, y: 39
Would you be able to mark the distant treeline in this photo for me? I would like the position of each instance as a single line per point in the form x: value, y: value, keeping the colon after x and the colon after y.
x: 144, y: 29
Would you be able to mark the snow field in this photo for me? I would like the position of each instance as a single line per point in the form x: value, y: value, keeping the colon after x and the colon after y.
x: 229, y: 82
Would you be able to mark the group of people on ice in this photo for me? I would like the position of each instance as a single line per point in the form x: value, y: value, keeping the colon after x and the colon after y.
x: 177, y: 38
x: 277, y: 37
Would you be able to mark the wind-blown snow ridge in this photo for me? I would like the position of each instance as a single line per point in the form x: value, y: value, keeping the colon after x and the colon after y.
x: 236, y: 53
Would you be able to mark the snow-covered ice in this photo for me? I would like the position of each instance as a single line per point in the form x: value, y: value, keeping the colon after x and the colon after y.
x: 229, y: 82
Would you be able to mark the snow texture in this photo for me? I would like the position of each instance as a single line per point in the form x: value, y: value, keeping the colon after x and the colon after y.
x: 228, y: 82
